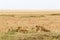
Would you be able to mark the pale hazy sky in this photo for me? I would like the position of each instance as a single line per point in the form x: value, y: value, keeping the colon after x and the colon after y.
x: 30, y: 4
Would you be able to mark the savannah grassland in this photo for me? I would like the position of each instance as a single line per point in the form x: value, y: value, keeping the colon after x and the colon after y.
x: 37, y: 25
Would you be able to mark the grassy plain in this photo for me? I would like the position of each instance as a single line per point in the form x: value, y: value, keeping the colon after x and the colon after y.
x: 33, y: 25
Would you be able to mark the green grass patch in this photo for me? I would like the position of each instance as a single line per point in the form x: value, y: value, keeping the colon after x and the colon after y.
x: 30, y: 36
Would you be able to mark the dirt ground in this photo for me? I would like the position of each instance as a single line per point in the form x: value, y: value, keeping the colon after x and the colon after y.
x: 28, y: 20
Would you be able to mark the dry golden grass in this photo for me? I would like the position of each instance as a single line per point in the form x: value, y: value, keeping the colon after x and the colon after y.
x: 37, y: 25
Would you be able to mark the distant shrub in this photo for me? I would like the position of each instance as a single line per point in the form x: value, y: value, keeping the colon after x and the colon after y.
x: 54, y: 14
